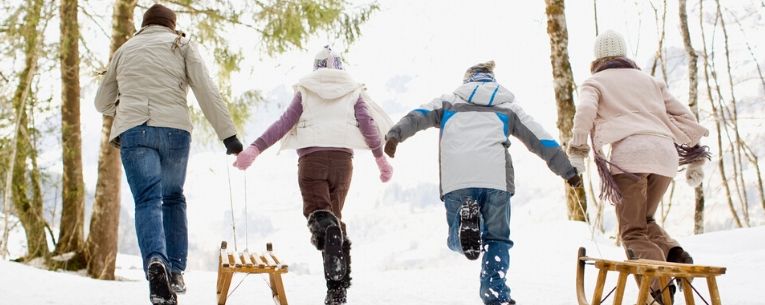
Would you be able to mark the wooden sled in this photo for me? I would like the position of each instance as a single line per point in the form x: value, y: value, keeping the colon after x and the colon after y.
x: 646, y: 271
x: 230, y: 262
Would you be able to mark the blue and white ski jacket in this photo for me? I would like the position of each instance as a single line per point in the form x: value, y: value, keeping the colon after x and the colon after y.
x: 476, y: 121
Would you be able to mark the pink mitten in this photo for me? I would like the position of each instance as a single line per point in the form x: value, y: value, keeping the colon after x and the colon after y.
x: 386, y: 171
x: 245, y: 158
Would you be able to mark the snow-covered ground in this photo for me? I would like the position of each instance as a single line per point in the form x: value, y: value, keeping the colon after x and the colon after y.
x: 400, y: 268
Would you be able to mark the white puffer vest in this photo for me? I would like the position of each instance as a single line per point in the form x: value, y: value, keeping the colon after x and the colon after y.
x: 328, y: 118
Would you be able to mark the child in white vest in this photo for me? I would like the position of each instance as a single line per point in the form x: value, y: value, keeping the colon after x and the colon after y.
x: 330, y: 115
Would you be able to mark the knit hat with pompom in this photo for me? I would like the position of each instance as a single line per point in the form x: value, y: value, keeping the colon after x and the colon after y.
x: 326, y: 58
x: 483, y: 72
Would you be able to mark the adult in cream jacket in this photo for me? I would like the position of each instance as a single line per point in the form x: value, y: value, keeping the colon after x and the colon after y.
x: 145, y: 89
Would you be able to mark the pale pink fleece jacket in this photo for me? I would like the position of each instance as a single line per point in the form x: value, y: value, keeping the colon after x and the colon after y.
x: 616, y: 104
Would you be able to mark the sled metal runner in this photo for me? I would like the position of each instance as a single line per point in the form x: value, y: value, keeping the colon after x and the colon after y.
x: 231, y: 262
x: 646, y: 271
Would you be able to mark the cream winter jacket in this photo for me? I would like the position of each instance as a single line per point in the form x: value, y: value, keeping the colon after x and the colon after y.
x: 617, y: 103
x: 328, y: 118
x: 147, y: 82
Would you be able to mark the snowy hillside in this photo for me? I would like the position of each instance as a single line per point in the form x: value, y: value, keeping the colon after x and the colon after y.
x: 399, y: 267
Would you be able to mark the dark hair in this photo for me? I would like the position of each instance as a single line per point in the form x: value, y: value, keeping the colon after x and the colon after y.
x: 612, y: 62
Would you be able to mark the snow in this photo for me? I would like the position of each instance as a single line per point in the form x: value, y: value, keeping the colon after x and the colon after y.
x: 542, y: 272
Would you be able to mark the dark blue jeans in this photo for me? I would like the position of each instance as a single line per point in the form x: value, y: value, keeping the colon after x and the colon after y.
x: 155, y: 161
x: 495, y: 237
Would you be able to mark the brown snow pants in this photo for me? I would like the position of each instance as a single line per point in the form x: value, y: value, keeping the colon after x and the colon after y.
x: 324, y: 178
x: 637, y: 226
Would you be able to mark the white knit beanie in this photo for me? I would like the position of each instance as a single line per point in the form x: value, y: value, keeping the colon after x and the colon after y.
x: 609, y: 44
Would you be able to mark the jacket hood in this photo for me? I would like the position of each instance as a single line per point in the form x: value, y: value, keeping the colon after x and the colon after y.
x: 484, y: 93
x: 329, y: 83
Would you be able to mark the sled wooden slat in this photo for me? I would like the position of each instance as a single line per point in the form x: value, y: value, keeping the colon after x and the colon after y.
x: 231, y: 259
x: 647, y: 272
x: 223, y: 258
x: 230, y: 262
x: 255, y: 257
x: 245, y: 258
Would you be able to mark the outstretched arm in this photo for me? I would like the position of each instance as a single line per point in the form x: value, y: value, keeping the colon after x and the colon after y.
x: 368, y: 128
x: 538, y: 141
x: 281, y: 127
x: 424, y: 117
x: 207, y: 94
x: 274, y: 133
x: 584, y: 118
x: 428, y: 115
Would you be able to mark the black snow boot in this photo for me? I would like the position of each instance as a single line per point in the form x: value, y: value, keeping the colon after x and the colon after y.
x: 336, y: 290
x: 678, y: 255
x: 470, y: 231
x: 159, y: 285
x: 335, y: 296
x: 177, y: 283
x: 327, y: 236
x: 318, y: 222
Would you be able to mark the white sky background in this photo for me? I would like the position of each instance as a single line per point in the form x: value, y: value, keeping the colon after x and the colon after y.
x: 409, y: 52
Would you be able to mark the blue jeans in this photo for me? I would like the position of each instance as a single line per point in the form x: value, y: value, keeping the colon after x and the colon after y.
x: 495, y: 237
x: 155, y: 160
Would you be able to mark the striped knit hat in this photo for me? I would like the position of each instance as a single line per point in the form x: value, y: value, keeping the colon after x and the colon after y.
x: 610, y: 44
x: 483, y: 72
x: 326, y: 58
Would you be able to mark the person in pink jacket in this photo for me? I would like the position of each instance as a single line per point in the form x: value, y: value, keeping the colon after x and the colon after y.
x: 329, y: 116
x: 648, y: 129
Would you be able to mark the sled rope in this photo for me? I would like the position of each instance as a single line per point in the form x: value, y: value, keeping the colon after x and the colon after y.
x: 608, y: 295
x: 587, y: 220
x: 246, y: 215
x: 231, y: 204
x: 696, y: 291
x: 237, y: 285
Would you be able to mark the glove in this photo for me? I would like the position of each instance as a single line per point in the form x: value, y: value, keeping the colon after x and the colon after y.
x: 577, y: 161
x: 390, y: 147
x: 575, y: 181
x: 233, y: 146
x: 245, y: 158
x: 694, y: 173
x: 386, y: 171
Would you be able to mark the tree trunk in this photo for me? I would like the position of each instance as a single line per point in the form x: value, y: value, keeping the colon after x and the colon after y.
x: 693, y: 84
x: 30, y: 212
x: 564, y: 88
x: 595, y: 15
x: 717, y: 118
x: 71, y: 236
x: 737, y: 152
x: 101, y: 246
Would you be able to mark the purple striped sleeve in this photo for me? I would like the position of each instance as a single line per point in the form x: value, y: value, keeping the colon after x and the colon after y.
x: 368, y: 127
x: 281, y: 127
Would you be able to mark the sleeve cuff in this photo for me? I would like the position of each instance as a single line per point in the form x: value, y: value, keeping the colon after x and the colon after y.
x: 377, y: 152
x: 579, y: 139
x: 260, y: 144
